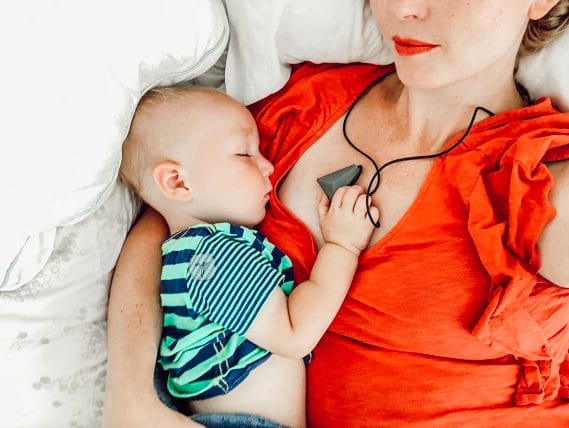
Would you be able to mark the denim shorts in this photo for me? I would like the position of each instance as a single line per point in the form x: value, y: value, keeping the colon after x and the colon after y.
x: 211, y: 420
x: 234, y: 420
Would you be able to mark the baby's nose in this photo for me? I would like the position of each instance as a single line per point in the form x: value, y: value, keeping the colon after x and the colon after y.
x: 266, y: 166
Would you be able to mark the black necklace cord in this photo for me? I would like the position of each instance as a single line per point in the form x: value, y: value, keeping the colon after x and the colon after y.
x: 376, y: 178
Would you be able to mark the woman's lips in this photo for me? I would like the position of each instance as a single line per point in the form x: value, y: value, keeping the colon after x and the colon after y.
x: 409, y: 47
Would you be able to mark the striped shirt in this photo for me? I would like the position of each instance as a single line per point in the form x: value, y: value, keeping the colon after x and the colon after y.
x: 215, y: 280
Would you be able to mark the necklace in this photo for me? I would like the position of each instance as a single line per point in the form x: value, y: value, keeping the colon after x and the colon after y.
x: 524, y: 94
x: 375, y: 180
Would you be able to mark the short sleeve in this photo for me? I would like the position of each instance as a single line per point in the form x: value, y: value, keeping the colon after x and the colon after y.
x: 508, y: 210
x: 229, y: 281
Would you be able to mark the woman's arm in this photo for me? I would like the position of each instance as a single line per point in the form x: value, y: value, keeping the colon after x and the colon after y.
x: 134, y: 329
x: 554, y: 241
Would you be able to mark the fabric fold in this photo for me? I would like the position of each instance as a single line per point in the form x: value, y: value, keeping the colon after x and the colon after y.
x: 508, y: 210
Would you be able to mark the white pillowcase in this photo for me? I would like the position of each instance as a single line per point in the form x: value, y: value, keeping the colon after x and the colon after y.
x: 266, y: 37
x: 546, y: 73
x: 73, y: 72
x: 53, y: 329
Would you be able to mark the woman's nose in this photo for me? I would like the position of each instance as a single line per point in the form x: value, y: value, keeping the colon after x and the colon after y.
x: 408, y: 10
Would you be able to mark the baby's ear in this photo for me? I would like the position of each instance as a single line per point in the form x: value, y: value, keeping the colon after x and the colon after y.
x: 540, y: 8
x: 169, y: 178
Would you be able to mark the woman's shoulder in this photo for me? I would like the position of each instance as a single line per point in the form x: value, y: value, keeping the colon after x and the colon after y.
x: 346, y: 75
x: 313, y: 98
x: 529, y: 136
x: 312, y: 83
x: 520, y: 181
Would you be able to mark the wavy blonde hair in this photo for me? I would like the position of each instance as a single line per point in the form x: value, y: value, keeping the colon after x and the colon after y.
x: 543, y: 31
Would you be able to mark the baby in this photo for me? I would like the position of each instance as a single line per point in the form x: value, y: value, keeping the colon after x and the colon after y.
x: 235, y: 331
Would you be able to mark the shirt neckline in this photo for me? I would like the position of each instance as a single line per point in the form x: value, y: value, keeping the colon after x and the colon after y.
x: 540, y: 106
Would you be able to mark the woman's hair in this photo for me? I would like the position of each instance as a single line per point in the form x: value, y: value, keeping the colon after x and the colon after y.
x: 543, y: 31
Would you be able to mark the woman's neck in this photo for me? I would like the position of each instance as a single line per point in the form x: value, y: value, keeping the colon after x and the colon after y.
x: 432, y: 117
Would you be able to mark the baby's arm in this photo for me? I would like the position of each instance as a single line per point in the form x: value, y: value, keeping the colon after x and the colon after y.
x: 292, y: 327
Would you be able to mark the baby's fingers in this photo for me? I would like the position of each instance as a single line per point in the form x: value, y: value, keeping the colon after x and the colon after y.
x: 323, y: 206
x: 360, y: 206
x: 346, y: 197
x: 338, y: 197
x: 361, y: 210
x: 374, y: 213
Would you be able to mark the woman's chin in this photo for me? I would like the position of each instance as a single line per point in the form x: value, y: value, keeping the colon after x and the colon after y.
x: 419, y: 76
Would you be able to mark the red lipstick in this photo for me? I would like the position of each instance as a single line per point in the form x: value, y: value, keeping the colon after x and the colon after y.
x: 409, y: 47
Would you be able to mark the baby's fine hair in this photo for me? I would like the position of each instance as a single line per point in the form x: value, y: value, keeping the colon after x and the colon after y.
x: 543, y: 31
x: 137, y: 151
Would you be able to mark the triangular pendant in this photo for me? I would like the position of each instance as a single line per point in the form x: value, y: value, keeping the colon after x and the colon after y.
x: 342, y: 177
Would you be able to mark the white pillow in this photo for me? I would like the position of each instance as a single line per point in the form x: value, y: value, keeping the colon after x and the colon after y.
x: 268, y: 36
x: 73, y: 72
x: 546, y: 73
x: 53, y: 329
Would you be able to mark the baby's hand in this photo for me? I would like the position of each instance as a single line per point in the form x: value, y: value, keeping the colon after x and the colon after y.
x: 344, y: 221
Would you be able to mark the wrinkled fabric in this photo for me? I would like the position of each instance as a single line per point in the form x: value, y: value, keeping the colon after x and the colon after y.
x: 447, y: 321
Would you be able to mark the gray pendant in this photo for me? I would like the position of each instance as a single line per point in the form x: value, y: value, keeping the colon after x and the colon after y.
x: 342, y: 177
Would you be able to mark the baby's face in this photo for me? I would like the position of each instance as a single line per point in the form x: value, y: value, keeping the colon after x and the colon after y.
x: 228, y: 176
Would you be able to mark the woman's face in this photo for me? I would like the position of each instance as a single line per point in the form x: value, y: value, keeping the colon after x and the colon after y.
x: 441, y: 42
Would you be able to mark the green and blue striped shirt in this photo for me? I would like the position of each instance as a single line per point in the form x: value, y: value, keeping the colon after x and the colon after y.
x: 215, y: 280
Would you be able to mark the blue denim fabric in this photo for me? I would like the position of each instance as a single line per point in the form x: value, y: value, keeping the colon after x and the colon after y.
x: 234, y: 420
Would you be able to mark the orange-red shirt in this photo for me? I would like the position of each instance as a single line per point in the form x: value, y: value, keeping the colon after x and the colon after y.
x: 447, y: 321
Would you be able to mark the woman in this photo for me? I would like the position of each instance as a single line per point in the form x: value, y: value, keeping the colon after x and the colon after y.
x: 450, y: 320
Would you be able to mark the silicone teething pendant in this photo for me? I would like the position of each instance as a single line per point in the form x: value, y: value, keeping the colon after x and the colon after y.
x: 342, y: 177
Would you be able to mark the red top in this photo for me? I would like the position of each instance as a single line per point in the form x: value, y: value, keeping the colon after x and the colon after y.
x: 447, y: 321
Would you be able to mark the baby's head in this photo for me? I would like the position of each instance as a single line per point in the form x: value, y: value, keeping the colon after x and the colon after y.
x: 193, y: 155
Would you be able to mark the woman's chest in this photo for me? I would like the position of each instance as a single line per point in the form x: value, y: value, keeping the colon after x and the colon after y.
x: 399, y: 186
x: 422, y: 275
